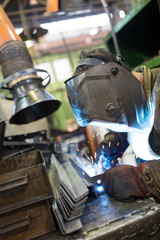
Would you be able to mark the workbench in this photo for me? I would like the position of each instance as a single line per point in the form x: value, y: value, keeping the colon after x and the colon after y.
x: 106, y: 218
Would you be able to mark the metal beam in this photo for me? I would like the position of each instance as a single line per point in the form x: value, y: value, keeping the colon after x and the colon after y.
x: 7, y: 5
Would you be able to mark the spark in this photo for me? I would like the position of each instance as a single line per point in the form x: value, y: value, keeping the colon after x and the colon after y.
x: 99, y: 181
x: 91, y: 159
x: 87, y: 156
x: 84, y: 163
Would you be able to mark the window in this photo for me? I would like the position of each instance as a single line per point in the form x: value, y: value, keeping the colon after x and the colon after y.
x: 62, y: 69
x: 45, y: 66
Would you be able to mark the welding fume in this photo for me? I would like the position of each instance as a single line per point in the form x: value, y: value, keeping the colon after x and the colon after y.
x: 104, y: 92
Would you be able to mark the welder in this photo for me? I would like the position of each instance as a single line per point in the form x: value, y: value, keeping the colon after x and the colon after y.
x: 105, y: 92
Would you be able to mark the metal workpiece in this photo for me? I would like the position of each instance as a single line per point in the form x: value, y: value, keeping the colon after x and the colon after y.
x: 70, y: 195
x: 106, y: 218
x: 122, y: 221
x: 66, y: 227
x: 90, y: 173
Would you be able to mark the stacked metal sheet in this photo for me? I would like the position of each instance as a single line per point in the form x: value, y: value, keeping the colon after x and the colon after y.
x: 25, y: 197
x: 70, y: 195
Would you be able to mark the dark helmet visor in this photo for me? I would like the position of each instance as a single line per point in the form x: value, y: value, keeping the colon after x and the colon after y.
x: 107, y: 95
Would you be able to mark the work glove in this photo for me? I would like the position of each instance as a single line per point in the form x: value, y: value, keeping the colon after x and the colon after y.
x: 126, y: 183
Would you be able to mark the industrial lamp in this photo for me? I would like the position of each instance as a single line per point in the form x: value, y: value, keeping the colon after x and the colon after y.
x: 27, y: 88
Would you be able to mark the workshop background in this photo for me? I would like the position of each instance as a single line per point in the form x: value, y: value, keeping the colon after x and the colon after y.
x: 55, y: 32
x: 55, y: 39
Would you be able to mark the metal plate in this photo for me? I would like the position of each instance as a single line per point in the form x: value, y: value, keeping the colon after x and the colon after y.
x: 66, y: 227
x: 70, y: 194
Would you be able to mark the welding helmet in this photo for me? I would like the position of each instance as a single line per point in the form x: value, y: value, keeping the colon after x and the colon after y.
x: 107, y: 95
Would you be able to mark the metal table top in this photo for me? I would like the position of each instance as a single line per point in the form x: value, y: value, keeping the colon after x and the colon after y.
x: 107, y: 218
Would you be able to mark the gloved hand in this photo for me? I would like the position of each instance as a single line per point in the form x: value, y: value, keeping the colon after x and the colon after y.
x: 126, y: 183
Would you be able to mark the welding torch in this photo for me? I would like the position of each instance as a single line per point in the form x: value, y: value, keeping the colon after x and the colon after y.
x: 111, y: 148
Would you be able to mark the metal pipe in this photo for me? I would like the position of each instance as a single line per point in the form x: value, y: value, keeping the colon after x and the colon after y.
x: 7, y: 30
x: 20, y: 77
x: 7, y: 4
x: 115, y: 41
x: 52, y: 6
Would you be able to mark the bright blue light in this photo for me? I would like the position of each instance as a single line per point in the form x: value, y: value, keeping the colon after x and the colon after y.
x: 104, y: 161
x: 99, y: 189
